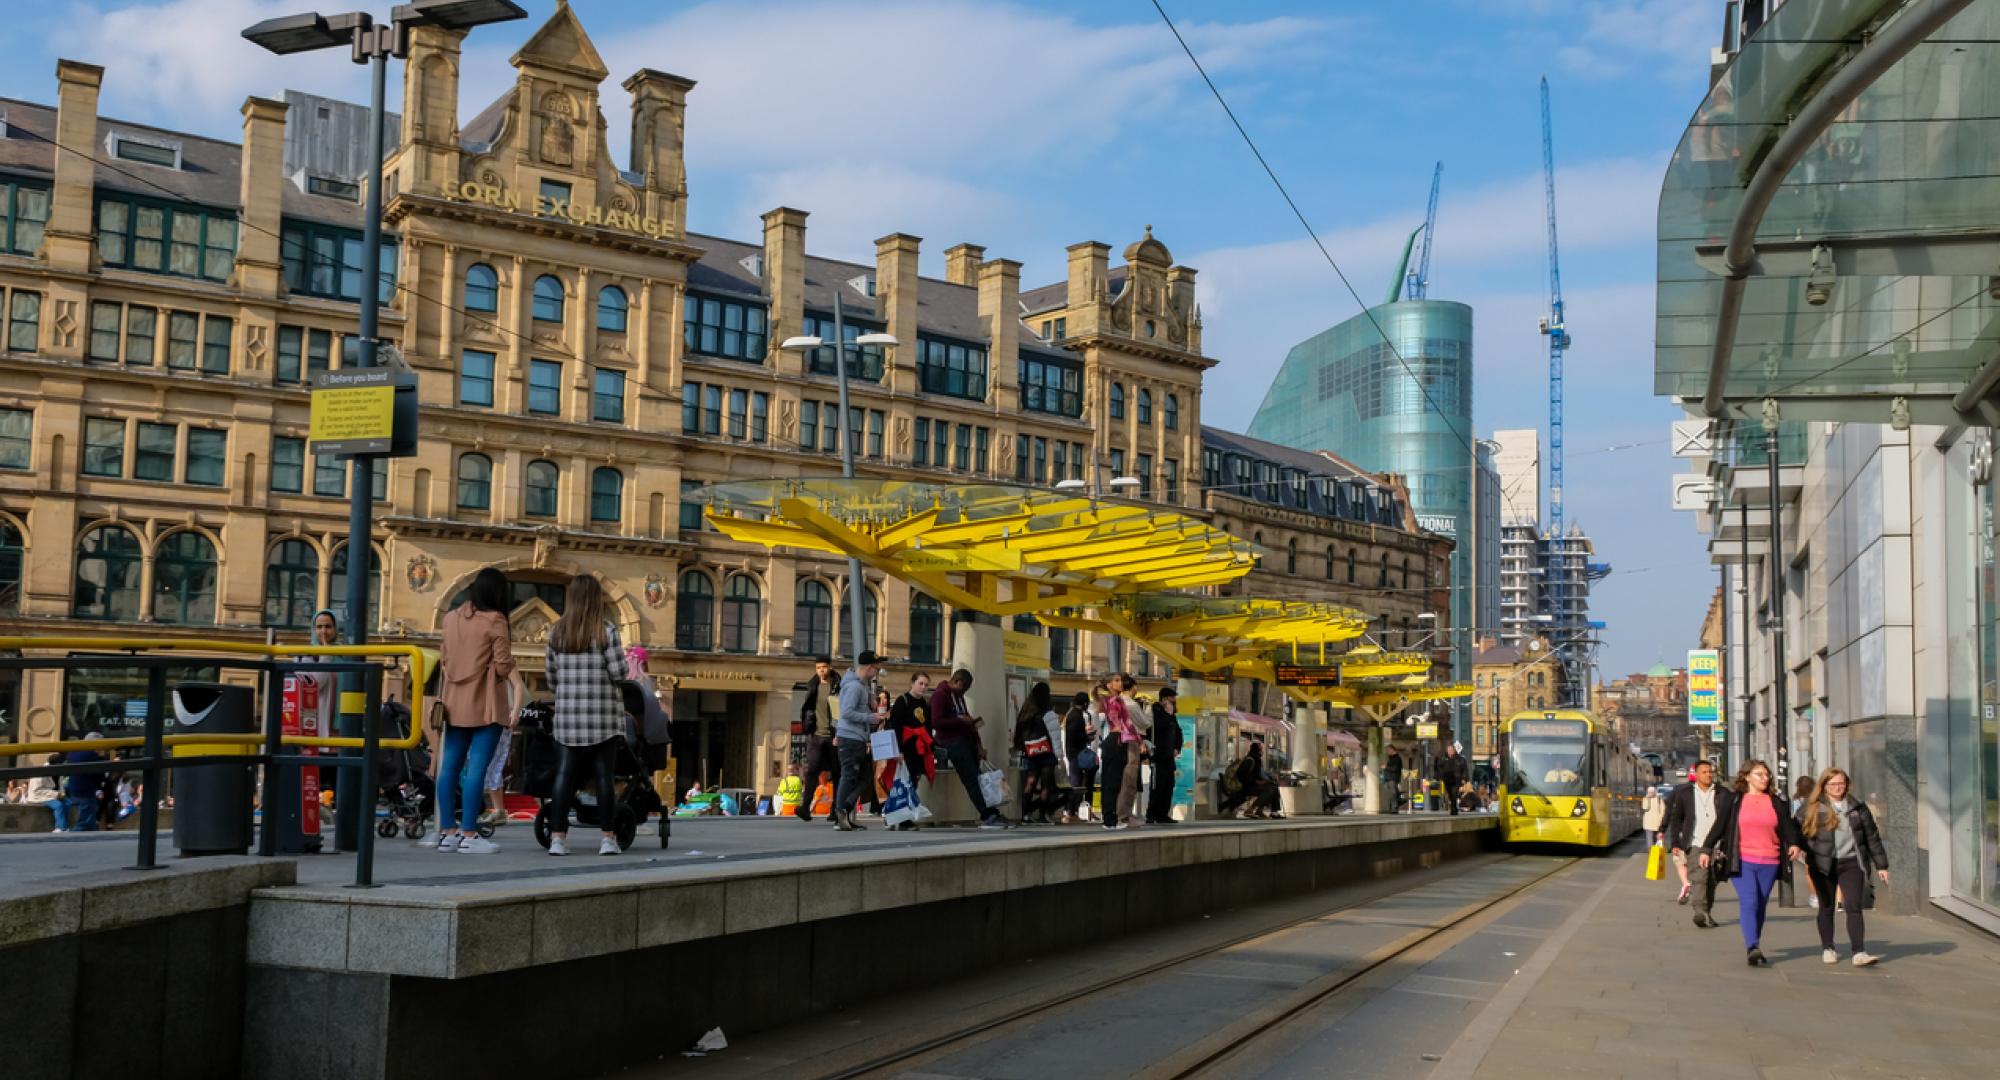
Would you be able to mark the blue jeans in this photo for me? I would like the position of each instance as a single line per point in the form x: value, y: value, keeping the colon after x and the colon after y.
x: 59, y: 806
x: 461, y: 780
x: 1753, y: 883
x: 82, y: 813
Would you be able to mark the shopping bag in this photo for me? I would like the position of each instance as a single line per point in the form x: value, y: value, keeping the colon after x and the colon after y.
x: 882, y: 746
x: 1656, y: 862
x: 993, y: 787
x: 901, y: 805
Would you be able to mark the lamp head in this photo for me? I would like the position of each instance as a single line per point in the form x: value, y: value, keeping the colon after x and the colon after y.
x: 803, y: 341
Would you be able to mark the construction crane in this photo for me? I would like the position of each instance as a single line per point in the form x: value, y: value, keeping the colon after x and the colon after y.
x: 1420, y: 279
x: 1552, y: 327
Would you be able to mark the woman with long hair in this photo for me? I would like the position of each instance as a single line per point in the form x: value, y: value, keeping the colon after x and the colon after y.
x: 585, y: 662
x: 1039, y: 792
x: 477, y: 674
x: 1080, y: 752
x: 1843, y: 848
x: 1758, y: 834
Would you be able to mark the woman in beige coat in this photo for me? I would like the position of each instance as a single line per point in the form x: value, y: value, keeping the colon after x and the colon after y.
x: 478, y: 686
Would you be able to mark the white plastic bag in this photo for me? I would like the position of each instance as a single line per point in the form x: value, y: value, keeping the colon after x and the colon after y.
x: 992, y: 787
x: 901, y: 805
x: 882, y: 746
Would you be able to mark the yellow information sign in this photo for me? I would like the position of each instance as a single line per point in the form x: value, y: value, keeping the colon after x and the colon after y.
x: 934, y: 560
x: 1026, y: 650
x: 1427, y: 730
x: 354, y: 412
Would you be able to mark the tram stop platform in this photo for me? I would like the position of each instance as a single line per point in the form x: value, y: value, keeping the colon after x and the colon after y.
x: 743, y: 924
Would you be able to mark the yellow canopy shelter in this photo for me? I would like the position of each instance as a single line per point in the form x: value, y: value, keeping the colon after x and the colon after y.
x: 991, y: 548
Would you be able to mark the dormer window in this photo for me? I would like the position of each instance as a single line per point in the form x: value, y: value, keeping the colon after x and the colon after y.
x: 752, y: 264
x: 865, y: 284
x: 162, y: 152
x: 333, y: 189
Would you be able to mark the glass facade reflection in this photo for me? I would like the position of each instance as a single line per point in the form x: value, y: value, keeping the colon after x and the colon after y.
x: 1404, y: 409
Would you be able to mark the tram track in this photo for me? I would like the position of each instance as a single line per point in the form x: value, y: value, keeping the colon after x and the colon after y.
x: 1245, y: 1032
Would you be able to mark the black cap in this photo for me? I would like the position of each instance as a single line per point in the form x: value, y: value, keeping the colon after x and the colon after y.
x: 1169, y: 692
x: 867, y: 658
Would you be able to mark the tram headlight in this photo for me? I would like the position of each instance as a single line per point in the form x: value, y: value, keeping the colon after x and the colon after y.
x: 1581, y: 808
x: 1517, y: 807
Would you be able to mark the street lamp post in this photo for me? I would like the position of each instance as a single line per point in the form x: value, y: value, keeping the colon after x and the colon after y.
x: 373, y: 44
x: 856, y: 620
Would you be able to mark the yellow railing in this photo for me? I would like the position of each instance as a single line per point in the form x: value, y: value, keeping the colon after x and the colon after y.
x: 419, y: 673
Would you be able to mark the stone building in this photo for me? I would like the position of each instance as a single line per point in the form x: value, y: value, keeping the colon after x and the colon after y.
x: 1507, y: 679
x: 1648, y: 710
x: 584, y: 361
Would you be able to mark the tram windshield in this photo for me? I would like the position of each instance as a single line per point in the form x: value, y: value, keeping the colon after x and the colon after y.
x: 1549, y: 757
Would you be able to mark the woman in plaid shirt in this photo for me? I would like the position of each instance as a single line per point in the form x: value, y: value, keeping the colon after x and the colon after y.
x: 584, y: 662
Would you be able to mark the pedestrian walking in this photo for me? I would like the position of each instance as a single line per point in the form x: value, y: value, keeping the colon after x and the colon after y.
x: 1035, y: 743
x: 858, y: 717
x: 478, y: 685
x: 816, y: 722
x: 1757, y: 836
x: 958, y: 742
x: 584, y: 662
x: 1452, y: 775
x: 1695, y: 811
x: 1843, y: 848
x: 1654, y: 815
x: 81, y: 789
x: 1166, y: 754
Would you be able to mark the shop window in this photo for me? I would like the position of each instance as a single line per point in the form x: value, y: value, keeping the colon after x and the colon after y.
x: 291, y: 585
x: 812, y: 630
x: 694, y: 613
x: 107, y: 575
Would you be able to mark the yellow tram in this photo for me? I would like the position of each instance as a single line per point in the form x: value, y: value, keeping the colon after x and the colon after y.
x: 1566, y: 780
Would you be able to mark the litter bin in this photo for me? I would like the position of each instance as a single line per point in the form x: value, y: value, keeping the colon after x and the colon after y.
x: 1300, y: 800
x: 212, y: 803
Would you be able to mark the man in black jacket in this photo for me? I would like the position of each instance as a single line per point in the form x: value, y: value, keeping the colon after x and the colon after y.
x: 818, y: 731
x: 1451, y: 775
x: 1166, y: 751
x: 1694, y: 812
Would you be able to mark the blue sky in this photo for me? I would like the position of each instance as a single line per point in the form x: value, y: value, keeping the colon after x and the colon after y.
x: 1027, y: 126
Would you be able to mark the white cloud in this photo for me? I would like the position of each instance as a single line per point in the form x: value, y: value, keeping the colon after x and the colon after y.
x: 1609, y: 38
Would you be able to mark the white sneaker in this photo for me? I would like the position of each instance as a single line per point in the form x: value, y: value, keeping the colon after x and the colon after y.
x: 609, y: 846
x: 477, y: 845
x: 447, y: 842
x: 1862, y: 959
x: 557, y: 846
x: 1828, y: 956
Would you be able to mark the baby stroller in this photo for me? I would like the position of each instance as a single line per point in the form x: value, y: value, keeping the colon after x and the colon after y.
x: 406, y: 793
x: 641, y: 756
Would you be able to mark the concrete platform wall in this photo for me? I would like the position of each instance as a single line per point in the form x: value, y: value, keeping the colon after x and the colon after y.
x: 805, y: 947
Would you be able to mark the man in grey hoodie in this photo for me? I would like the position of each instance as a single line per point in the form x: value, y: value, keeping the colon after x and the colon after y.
x: 858, y: 717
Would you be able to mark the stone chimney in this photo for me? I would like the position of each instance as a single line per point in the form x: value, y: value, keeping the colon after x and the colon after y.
x: 896, y: 298
x: 785, y: 283
x: 1000, y: 310
x: 659, y: 127
x: 961, y: 263
x: 68, y: 234
x: 1180, y: 293
x: 258, y: 267
x: 1089, y: 275
x: 427, y: 156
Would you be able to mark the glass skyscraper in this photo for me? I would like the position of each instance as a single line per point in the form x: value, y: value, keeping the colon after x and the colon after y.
x: 1406, y: 409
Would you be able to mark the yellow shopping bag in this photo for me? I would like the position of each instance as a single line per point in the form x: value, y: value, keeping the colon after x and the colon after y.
x: 1656, y: 862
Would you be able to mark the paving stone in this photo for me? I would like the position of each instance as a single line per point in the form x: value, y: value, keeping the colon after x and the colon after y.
x: 829, y: 894
x: 400, y: 940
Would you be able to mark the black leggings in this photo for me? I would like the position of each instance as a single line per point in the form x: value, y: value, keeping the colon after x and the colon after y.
x: 1039, y: 793
x: 603, y: 759
x: 1853, y: 896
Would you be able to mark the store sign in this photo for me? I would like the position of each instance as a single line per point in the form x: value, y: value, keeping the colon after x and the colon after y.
x: 1704, y: 687
x: 542, y: 206
x: 1427, y: 731
x: 1029, y: 651
x: 1442, y: 524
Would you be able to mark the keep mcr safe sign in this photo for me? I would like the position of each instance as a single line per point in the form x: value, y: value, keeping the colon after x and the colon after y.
x: 1704, y: 687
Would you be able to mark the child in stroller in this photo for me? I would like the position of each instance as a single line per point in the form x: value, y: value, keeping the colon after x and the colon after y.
x: 406, y: 792
x: 645, y: 752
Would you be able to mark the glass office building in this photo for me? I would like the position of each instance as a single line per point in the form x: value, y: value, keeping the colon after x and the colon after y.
x: 1398, y: 403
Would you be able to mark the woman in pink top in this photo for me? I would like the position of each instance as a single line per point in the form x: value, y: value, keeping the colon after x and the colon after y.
x: 1757, y: 835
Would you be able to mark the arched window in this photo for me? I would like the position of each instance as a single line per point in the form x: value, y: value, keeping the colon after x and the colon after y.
x: 926, y: 630
x: 694, y: 613
x: 548, y: 299
x: 12, y: 553
x: 475, y: 482
x: 1173, y: 412
x: 1406, y: 573
x: 108, y: 560
x: 184, y: 580
x: 336, y: 599
x: 1117, y: 401
x: 1291, y: 556
x: 1350, y: 566
x: 607, y: 494
x: 611, y: 309
x: 812, y: 618
x: 1382, y: 573
x: 742, y: 614
x: 1145, y: 406
x: 291, y: 585
x: 482, y: 288
x: 544, y: 480
x: 870, y: 615
x: 1329, y: 564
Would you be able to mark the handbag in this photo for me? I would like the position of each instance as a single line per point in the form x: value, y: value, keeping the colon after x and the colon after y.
x: 882, y: 746
x: 1086, y: 758
x: 901, y: 805
x: 1038, y: 747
